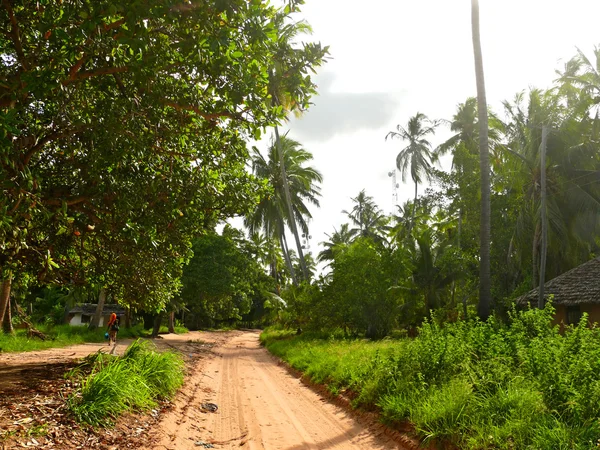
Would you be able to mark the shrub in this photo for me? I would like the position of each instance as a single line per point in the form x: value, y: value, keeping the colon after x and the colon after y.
x: 474, y: 384
x: 118, y: 384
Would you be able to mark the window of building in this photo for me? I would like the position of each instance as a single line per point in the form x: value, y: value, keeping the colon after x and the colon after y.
x: 85, y: 318
x: 573, y: 314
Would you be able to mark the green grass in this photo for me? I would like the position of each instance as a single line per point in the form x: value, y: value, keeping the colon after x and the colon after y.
x: 62, y: 336
x: 474, y: 385
x: 134, y: 381
x: 178, y: 329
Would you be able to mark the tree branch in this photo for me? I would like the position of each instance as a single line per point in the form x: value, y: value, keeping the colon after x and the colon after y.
x: 77, y: 76
x: 49, y: 138
x: 15, y: 35
x: 207, y: 116
x: 70, y: 202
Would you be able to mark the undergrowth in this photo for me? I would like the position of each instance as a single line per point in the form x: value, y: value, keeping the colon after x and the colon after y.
x: 520, y: 385
x: 111, y: 385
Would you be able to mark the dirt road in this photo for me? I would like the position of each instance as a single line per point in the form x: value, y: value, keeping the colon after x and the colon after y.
x: 261, y: 406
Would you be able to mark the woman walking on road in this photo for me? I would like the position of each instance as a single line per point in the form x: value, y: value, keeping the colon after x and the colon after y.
x: 113, y: 328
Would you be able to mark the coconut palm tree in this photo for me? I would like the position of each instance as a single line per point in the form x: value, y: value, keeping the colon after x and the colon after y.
x: 272, y: 213
x: 337, y: 239
x: 485, y: 279
x: 417, y: 157
x: 281, y: 91
x: 571, y: 171
x: 368, y: 219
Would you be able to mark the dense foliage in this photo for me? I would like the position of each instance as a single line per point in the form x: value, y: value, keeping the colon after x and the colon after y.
x: 477, y: 385
x: 123, y: 132
x: 224, y: 280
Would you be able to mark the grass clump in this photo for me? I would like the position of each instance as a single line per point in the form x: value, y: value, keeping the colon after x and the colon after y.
x: 134, y: 381
x: 520, y: 385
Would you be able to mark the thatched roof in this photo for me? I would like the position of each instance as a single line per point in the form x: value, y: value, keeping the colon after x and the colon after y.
x: 90, y: 308
x: 577, y: 286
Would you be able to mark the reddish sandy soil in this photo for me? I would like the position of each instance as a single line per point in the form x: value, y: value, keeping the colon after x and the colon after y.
x: 260, y: 404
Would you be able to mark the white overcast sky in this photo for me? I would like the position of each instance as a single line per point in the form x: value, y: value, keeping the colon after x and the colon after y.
x: 394, y: 58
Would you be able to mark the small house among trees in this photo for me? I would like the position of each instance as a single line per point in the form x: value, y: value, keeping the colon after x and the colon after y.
x: 82, y: 314
x: 574, y: 292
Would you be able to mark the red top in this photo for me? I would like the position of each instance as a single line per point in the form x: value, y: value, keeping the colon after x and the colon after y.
x: 113, y: 319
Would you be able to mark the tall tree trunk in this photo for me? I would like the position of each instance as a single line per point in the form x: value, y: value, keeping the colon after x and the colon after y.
x: 288, y: 201
x: 535, y: 253
x: 172, y: 322
x: 127, y: 317
x: 95, y: 322
x: 157, y: 322
x: 5, y: 296
x: 544, y: 219
x: 7, y: 326
x: 414, y: 209
x: 485, y: 282
x: 286, y: 257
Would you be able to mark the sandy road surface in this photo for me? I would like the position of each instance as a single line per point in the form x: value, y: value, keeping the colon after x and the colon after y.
x: 261, y: 406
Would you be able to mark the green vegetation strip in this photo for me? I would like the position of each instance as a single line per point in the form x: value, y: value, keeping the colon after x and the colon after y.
x: 475, y: 385
x: 134, y: 381
x: 66, y: 335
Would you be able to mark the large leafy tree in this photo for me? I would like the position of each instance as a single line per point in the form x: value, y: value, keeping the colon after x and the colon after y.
x: 222, y: 279
x: 302, y: 180
x: 417, y: 157
x: 124, y: 126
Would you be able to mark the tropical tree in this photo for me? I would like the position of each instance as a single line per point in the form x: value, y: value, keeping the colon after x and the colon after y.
x: 281, y: 77
x: 571, y: 170
x: 369, y: 221
x: 417, y: 157
x: 337, y: 239
x: 485, y: 283
x: 116, y: 131
x: 303, y: 181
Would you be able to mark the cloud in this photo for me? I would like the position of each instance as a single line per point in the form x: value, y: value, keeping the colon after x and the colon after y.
x: 335, y: 113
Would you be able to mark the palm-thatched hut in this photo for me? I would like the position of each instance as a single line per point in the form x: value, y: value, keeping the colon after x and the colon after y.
x: 575, y: 292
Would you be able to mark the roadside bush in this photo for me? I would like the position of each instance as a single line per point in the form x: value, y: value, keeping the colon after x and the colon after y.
x: 476, y: 385
x: 118, y: 384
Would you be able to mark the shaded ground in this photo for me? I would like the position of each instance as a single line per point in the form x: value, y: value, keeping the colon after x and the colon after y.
x: 33, y: 390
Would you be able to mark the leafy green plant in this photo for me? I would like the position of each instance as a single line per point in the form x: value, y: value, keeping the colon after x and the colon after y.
x: 475, y: 384
x: 134, y: 381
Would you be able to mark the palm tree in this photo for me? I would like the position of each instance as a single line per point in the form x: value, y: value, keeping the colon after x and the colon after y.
x: 571, y: 170
x: 428, y: 274
x: 338, y: 239
x: 584, y: 74
x: 485, y: 280
x: 281, y: 90
x: 272, y: 213
x: 417, y: 155
x: 368, y: 219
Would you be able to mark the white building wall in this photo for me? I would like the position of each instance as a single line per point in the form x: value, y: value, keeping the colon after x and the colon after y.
x: 76, y: 321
